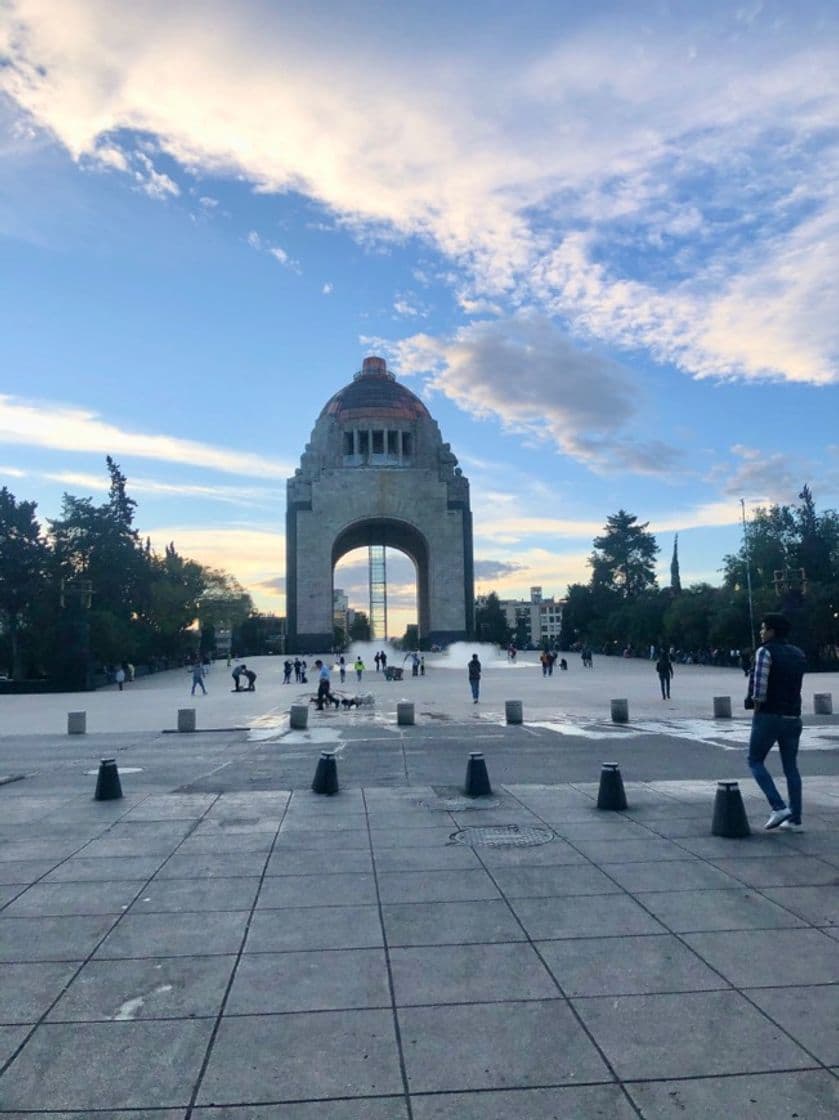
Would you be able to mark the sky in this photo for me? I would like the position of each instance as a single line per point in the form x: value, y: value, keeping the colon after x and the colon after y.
x: 599, y: 241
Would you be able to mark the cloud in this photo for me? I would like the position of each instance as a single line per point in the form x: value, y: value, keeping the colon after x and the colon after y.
x: 493, y: 569
x: 68, y: 428
x: 235, y: 495
x: 534, y: 379
x: 661, y: 182
x: 765, y: 476
x: 256, y: 241
x: 327, y: 289
x: 276, y: 585
x: 12, y: 472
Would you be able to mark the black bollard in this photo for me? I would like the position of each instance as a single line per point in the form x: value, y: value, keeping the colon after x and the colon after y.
x: 108, y: 787
x: 611, y: 794
x: 730, y: 818
x: 326, y: 775
x: 477, y: 778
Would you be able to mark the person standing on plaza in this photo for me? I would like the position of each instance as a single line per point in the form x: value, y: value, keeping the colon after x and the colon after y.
x: 474, y: 668
x: 775, y: 696
x: 378, y: 660
x: 342, y: 668
x: 119, y: 677
x: 359, y: 667
x: 198, y: 677
x: 664, y: 668
x: 324, y: 683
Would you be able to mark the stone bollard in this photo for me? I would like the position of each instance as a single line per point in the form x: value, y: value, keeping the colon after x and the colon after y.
x: 513, y: 711
x: 405, y: 713
x: 326, y: 775
x: 298, y: 717
x: 77, y: 723
x: 730, y: 818
x: 823, y: 703
x: 620, y: 711
x: 722, y: 707
x: 477, y: 776
x: 108, y: 786
x: 611, y: 794
x: 186, y: 719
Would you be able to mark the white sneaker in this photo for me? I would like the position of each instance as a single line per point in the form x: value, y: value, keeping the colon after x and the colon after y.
x: 777, y: 817
x: 791, y: 826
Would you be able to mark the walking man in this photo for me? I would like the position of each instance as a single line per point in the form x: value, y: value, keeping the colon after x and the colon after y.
x: 198, y: 677
x: 664, y: 668
x: 475, y: 677
x: 775, y: 694
x: 359, y: 667
x: 324, y: 690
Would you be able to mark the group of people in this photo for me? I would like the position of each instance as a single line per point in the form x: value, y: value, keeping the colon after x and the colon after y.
x: 249, y: 675
x: 548, y: 658
x: 298, y: 667
x: 381, y: 660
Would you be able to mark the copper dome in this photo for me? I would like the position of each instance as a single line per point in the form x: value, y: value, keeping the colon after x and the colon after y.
x: 374, y: 393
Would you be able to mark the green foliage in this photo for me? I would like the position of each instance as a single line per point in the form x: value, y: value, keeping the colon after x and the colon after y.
x: 23, y: 565
x: 360, y: 627
x: 491, y: 622
x: 624, y: 556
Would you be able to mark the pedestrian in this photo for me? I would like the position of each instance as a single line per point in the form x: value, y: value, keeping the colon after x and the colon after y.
x: 237, y: 677
x: 775, y: 696
x: 415, y: 662
x: 342, y: 668
x: 422, y: 666
x: 198, y: 677
x: 287, y: 667
x: 297, y: 669
x: 303, y: 667
x: 130, y: 671
x: 359, y: 667
x: 251, y: 676
x: 119, y: 677
x: 383, y: 657
x: 324, y: 686
x: 664, y: 668
x: 474, y: 668
x: 378, y: 660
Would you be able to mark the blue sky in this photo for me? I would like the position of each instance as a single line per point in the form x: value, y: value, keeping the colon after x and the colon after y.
x: 600, y: 243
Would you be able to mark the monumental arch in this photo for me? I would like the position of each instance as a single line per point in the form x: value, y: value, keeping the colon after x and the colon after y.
x: 376, y: 472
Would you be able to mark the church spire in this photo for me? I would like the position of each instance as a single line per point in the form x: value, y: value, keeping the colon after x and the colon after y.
x: 675, y: 578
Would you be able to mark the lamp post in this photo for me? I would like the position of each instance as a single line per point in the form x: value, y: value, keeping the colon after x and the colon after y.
x: 748, y: 571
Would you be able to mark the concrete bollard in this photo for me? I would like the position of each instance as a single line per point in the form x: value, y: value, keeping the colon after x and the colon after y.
x: 611, y: 794
x: 326, y: 775
x: 823, y: 703
x: 722, y: 707
x: 477, y: 776
x: 729, y: 820
x: 298, y: 717
x: 186, y: 719
x: 620, y: 711
x: 77, y: 723
x: 108, y: 785
x: 405, y: 713
x: 513, y: 711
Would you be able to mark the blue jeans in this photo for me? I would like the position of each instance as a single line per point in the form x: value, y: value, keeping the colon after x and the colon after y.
x: 767, y: 730
x: 475, y: 685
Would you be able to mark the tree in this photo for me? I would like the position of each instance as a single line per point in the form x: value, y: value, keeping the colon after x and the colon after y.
x: 23, y: 562
x: 491, y: 622
x: 624, y: 557
x: 360, y: 627
x: 675, y: 577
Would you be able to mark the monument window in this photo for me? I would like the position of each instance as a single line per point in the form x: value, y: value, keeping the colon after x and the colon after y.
x: 406, y: 445
x: 393, y: 443
x: 378, y: 443
x: 364, y: 443
x: 349, y: 443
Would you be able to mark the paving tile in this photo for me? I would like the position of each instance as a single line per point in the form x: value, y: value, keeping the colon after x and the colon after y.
x: 171, y: 806
x: 171, y: 895
x: 557, y: 853
x: 810, y: 1015
x: 18, y: 851
x: 411, y: 837
x: 201, y: 865
x: 496, y: 1046
x: 10, y: 1038
x: 436, y: 886
x: 795, y: 871
x: 317, y: 890
x: 304, y: 1056
x: 589, y: 1102
x: 52, y: 939
x: 82, y: 870
x: 25, y: 870
x: 741, y: 908
x: 630, y: 851
x: 607, y: 826
x: 227, y: 844
x: 435, y: 858
x: 324, y: 840
x: 59, y: 899
x: 818, y: 905
x: 134, y: 1114
x: 448, y: 923
x: 164, y: 988
x: 760, y: 845
x: 583, y: 916
x: 696, y: 1034
x: 9, y: 891
x: 107, y: 1065
x: 314, y: 927
x: 361, y: 1108
x: 766, y: 958
x: 673, y: 875
x: 175, y: 935
x: 627, y: 966
x: 303, y: 862
x: 551, y: 882
x: 810, y: 1095
x: 27, y: 990
x: 323, y: 980
x: 469, y: 974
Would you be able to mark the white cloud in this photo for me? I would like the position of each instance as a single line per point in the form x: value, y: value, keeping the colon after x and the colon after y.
x: 68, y: 428
x: 661, y: 182
x: 327, y: 289
x: 234, y: 495
x: 12, y: 472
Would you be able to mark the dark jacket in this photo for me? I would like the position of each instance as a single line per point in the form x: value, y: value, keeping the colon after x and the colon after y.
x: 783, y: 694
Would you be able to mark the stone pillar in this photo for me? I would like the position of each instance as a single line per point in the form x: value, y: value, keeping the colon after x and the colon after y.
x: 299, y: 717
x: 722, y: 707
x: 823, y: 703
x: 76, y: 723
x: 513, y: 711
x: 620, y: 711
x: 186, y: 719
x: 405, y: 713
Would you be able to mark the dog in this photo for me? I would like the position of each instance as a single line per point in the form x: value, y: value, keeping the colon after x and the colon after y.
x: 330, y: 699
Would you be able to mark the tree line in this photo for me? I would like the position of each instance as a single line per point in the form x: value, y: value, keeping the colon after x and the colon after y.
x: 789, y: 557
x: 87, y: 591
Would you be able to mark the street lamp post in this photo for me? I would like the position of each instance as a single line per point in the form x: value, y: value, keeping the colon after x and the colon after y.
x: 748, y: 572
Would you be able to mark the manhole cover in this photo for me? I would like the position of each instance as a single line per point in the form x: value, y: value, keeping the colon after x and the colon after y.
x: 503, y: 836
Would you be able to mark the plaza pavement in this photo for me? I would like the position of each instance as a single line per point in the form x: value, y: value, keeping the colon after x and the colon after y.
x: 223, y: 943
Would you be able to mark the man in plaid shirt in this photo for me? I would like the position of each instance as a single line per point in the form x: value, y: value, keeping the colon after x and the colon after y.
x: 775, y: 694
